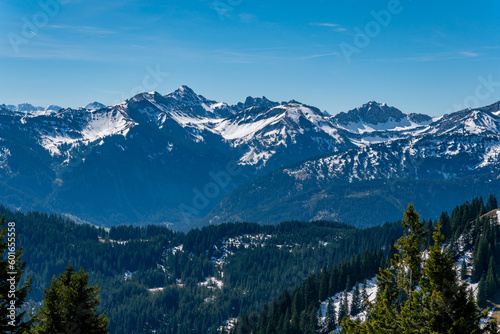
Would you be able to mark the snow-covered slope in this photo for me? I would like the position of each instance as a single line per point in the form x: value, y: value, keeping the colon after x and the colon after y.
x: 173, y: 144
x: 443, y: 156
x: 263, y: 132
x: 58, y: 132
x: 469, y: 121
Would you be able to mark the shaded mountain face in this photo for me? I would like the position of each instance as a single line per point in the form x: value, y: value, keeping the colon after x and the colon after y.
x: 184, y: 160
x: 94, y: 106
x: 372, y: 118
x: 153, y: 158
x: 456, y: 157
x: 371, y: 113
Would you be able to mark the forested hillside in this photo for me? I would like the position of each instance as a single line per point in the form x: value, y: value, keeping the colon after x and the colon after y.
x: 152, y: 278
x: 471, y: 239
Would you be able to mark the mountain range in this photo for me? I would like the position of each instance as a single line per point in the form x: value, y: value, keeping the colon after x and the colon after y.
x: 184, y: 160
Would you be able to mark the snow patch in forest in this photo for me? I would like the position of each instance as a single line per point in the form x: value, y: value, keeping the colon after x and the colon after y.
x: 212, y: 283
x: 371, y: 292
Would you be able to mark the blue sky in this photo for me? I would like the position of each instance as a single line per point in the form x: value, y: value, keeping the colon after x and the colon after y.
x: 420, y: 56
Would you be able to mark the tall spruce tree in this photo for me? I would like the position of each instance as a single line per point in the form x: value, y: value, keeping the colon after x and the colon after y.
x: 70, y: 306
x: 463, y: 270
x: 343, y: 306
x: 491, y: 204
x: 12, y: 297
x: 364, y: 296
x: 416, y: 298
x: 491, y: 281
x: 331, y: 317
x: 356, y: 300
x: 481, y: 293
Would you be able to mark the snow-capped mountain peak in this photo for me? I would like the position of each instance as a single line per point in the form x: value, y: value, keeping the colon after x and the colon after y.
x: 467, y: 121
x: 94, y: 106
x: 373, y: 117
x: 185, y: 98
x: 255, y: 102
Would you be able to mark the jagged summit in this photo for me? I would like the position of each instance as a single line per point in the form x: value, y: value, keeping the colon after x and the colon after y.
x: 94, y: 106
x: 152, y: 150
x: 469, y: 121
x: 262, y: 102
x: 371, y: 113
x: 375, y: 117
x: 185, y: 94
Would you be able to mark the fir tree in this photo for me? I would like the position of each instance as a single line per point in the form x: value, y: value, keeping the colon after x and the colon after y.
x: 364, y: 297
x: 440, y: 304
x: 446, y: 304
x: 331, y: 321
x: 343, y: 306
x: 323, y: 284
x: 463, y: 270
x: 12, y: 297
x: 446, y: 225
x: 356, y: 301
x: 491, y: 204
x: 70, y: 306
x: 490, y: 281
x: 481, y: 293
x: 392, y: 250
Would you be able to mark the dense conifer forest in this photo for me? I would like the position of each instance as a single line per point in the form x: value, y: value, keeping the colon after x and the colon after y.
x: 466, y: 231
x: 153, y: 279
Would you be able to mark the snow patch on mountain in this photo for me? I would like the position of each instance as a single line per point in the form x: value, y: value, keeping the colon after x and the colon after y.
x: 98, y: 126
x: 391, y: 125
x: 412, y: 157
x: 106, y: 124
x: 4, y: 156
x: 253, y: 158
x: 491, y: 157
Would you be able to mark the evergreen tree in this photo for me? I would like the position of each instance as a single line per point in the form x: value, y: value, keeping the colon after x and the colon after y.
x: 463, y: 270
x: 440, y: 304
x: 70, y: 306
x: 491, y: 204
x: 481, y: 255
x: 481, y: 293
x: 392, y: 250
x: 312, y: 321
x: 343, y: 306
x: 491, y: 282
x: 446, y: 225
x: 429, y: 240
x: 323, y: 284
x: 331, y: 321
x: 356, y: 301
x: 364, y: 297
x: 446, y: 304
x: 12, y: 297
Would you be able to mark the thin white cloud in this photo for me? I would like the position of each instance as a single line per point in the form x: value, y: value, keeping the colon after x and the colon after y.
x: 469, y: 54
x: 336, y: 27
x: 84, y: 29
x: 439, y: 56
x: 329, y: 25
x: 222, y: 11
x: 321, y: 55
